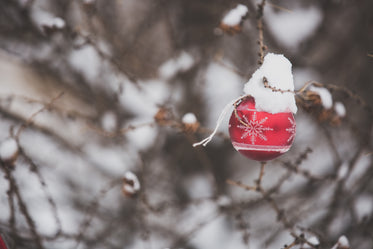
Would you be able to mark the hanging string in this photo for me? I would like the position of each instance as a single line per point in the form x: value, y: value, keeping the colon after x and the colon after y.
x: 205, y: 141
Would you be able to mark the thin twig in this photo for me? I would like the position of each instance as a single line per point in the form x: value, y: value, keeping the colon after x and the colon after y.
x: 294, y: 243
x: 91, y: 208
x: 180, y: 241
x: 34, y: 168
x: 30, y: 120
x: 300, y: 239
x: 17, y: 97
x: 266, y: 195
x: 262, y: 47
x: 120, y: 132
x: 332, y: 87
x: 280, y: 213
x: 23, y: 207
x: 12, y: 216
x: 258, y: 181
x: 274, y: 89
x: 220, y: 61
x: 279, y: 7
x: 261, y: 174
x: 240, y: 184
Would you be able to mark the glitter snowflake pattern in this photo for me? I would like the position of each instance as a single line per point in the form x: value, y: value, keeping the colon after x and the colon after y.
x: 254, y: 128
x: 291, y: 130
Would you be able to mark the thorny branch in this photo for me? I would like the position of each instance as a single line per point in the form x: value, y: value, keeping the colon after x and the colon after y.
x: 22, y: 205
x: 300, y: 240
x: 259, y: 18
x: 92, y: 209
x: 34, y: 168
x: 31, y: 118
x: 266, y: 195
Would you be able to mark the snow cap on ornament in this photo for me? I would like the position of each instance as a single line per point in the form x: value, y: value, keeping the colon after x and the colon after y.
x: 279, y: 96
x: 262, y: 125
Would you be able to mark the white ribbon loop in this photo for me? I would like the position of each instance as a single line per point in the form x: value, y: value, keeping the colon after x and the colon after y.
x: 205, y: 141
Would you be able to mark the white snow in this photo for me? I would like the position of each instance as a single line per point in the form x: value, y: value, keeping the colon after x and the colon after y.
x: 87, y: 61
x: 304, y: 75
x: 8, y: 149
x: 189, y: 118
x: 221, y: 87
x: 342, y: 242
x: 224, y: 201
x: 180, y: 64
x: 24, y: 3
x: 340, y: 109
x: 216, y: 234
x: 234, y: 16
x: 198, y: 187
x: 277, y: 69
x: 132, y: 183
x: 205, y: 211
x: 58, y: 22
x: 360, y: 168
x: 325, y: 96
x: 46, y: 19
x: 364, y: 206
x: 109, y: 121
x: 141, y: 138
x: 343, y: 170
x: 143, y: 98
x: 292, y: 28
x: 109, y: 158
x: 314, y: 240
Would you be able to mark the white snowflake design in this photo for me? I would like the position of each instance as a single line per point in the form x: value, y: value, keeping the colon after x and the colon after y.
x: 254, y: 128
x: 291, y: 130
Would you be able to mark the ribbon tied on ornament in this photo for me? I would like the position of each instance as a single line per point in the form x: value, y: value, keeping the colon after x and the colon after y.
x: 262, y: 124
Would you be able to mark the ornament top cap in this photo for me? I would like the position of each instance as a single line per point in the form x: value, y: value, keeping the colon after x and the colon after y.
x: 276, y: 69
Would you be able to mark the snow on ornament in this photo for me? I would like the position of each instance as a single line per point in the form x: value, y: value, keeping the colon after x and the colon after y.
x: 262, y: 126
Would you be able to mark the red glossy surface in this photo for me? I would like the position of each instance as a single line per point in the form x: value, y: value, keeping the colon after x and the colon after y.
x: 2, y: 243
x: 261, y: 136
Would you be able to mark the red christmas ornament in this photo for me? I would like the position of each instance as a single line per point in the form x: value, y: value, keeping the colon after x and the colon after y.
x: 259, y: 135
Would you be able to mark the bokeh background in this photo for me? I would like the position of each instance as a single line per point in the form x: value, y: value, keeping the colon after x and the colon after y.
x: 91, y: 89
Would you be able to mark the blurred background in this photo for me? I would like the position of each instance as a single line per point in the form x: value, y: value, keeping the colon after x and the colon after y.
x: 91, y: 90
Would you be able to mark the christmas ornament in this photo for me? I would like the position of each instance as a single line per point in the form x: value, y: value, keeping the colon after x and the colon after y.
x: 262, y: 125
x: 260, y: 135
